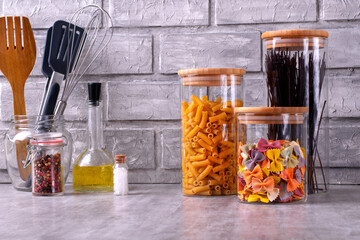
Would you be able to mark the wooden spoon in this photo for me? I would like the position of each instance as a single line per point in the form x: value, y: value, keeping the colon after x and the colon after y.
x: 17, y: 61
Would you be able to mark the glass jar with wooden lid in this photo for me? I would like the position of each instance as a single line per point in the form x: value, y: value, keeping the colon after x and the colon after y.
x: 271, y: 153
x: 209, y: 96
x: 295, y: 63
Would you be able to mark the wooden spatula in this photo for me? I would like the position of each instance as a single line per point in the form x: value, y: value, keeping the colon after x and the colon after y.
x: 17, y: 54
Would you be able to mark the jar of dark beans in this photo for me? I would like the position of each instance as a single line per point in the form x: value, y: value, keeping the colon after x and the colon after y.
x: 45, y: 152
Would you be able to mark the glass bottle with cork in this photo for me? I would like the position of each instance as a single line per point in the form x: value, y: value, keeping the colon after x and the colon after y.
x: 120, y: 176
x: 93, y: 170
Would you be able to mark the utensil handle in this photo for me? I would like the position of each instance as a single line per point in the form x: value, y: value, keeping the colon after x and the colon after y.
x: 19, y: 101
x: 52, y: 94
x: 44, y: 96
x: 60, y: 108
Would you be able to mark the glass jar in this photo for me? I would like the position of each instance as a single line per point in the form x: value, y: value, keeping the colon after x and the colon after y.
x: 209, y: 97
x: 295, y: 63
x: 17, y: 140
x: 271, y: 153
x: 45, y: 151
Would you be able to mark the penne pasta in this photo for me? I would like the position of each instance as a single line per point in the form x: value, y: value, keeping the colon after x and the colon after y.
x: 215, y: 160
x: 201, y: 189
x: 200, y: 150
x: 205, y: 138
x: 218, y: 117
x: 205, y: 145
x: 193, y: 132
x: 198, y: 157
x: 198, y: 114
x: 205, y: 173
x: 221, y: 167
x: 226, y: 153
x: 204, y: 118
x: 184, y: 106
x: 217, y: 138
x: 200, y: 164
x: 213, y: 182
x: 196, y: 100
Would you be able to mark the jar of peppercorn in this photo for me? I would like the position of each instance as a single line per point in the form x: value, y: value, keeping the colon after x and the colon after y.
x: 44, y: 152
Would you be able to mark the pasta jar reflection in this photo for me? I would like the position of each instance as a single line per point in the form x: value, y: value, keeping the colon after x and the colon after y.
x: 209, y: 96
x: 271, y: 152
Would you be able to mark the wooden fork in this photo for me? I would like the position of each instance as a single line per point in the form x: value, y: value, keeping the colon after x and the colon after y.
x: 17, y: 59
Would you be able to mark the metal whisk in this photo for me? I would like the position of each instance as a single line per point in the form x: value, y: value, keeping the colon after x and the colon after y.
x: 98, y: 32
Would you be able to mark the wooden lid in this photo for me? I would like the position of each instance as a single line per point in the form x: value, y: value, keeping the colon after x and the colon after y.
x: 295, y: 33
x: 211, y: 71
x: 272, y: 110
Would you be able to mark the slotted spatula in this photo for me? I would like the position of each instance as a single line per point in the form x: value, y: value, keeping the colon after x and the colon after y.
x: 17, y: 59
x: 61, y: 41
x: 46, y: 69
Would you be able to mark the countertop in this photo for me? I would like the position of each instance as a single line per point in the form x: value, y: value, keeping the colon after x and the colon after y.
x: 160, y: 211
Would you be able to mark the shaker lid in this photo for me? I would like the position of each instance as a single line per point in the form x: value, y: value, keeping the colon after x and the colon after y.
x: 295, y: 33
x: 120, y: 158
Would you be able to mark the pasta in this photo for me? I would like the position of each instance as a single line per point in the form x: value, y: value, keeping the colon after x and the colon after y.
x: 208, y: 146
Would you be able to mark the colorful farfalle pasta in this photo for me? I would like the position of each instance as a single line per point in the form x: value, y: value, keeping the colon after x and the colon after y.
x: 271, y: 171
x: 208, y: 146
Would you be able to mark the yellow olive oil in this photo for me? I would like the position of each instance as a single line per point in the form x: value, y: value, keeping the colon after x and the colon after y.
x: 93, y: 178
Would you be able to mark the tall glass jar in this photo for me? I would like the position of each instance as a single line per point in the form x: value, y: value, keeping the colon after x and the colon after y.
x: 295, y: 63
x: 209, y: 97
x: 271, y: 152
x: 17, y: 141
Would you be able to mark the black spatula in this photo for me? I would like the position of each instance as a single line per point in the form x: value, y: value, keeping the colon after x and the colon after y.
x: 46, y: 69
x: 62, y: 40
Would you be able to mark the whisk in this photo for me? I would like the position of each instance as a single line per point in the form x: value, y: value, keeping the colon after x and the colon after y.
x: 98, y: 32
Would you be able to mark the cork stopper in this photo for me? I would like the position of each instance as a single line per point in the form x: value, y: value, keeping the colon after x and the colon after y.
x: 120, y: 159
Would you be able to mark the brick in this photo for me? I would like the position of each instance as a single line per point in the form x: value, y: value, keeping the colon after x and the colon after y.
x: 338, y: 10
x: 43, y: 14
x: 258, y: 11
x: 125, y: 54
x: 255, y: 92
x: 344, y: 176
x: 344, y: 145
x: 137, y: 144
x: 33, y: 94
x: 238, y: 50
x: 171, y: 148
x: 132, y: 13
x: 344, y: 100
x: 143, y: 101
x: 344, y: 48
x: 77, y: 105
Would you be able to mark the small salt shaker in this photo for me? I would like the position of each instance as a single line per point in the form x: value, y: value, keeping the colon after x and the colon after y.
x: 120, y: 176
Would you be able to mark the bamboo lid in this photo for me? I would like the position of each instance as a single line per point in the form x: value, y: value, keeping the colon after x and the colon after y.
x: 272, y: 110
x: 211, y: 71
x: 271, y: 115
x: 207, y: 77
x: 295, y: 33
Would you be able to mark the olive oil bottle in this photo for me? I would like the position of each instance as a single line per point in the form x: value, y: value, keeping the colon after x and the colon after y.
x: 93, y: 170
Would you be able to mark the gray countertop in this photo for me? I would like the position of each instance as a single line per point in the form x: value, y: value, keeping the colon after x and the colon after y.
x: 159, y: 211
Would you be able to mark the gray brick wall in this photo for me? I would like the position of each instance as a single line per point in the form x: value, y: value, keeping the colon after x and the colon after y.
x: 153, y: 39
